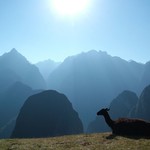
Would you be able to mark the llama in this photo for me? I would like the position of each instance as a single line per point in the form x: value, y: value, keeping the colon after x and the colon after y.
x: 126, y: 126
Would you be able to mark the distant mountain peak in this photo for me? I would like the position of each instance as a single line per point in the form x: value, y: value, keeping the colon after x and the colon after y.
x: 14, y: 55
x: 14, y: 50
x: 25, y: 71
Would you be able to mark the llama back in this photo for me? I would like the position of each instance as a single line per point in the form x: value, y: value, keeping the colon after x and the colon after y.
x: 136, y: 127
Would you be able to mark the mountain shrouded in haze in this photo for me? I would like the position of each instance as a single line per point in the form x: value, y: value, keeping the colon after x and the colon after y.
x: 53, y: 115
x: 90, y: 80
x: 93, y: 79
x: 47, y: 67
x: 119, y: 108
x: 145, y: 80
x: 7, y: 78
x: 126, y: 104
x: 14, y: 67
x: 122, y: 104
x: 142, y: 108
x: 11, y: 101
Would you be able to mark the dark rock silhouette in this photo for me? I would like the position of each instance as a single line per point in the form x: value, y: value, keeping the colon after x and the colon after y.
x: 122, y: 104
x: 120, y: 107
x: 11, y: 101
x: 45, y: 114
x: 142, y: 107
x: 126, y: 126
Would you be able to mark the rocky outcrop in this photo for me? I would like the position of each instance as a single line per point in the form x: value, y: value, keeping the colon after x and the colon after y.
x: 45, y: 114
x: 142, y: 108
x: 119, y: 107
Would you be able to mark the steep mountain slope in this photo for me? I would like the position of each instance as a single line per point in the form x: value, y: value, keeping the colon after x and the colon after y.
x: 119, y: 107
x: 11, y: 101
x: 142, y: 108
x: 15, y: 67
x: 47, y: 67
x: 53, y: 115
x: 145, y: 79
x: 7, y: 78
x: 122, y: 104
x: 93, y: 79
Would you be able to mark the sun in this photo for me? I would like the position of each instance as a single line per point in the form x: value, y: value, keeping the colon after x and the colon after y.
x: 70, y: 7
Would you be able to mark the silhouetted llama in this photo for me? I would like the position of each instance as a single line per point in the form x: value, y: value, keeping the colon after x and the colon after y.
x: 126, y: 126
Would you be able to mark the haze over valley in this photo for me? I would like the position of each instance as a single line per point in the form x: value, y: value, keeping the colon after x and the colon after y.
x: 90, y: 81
x: 61, y: 61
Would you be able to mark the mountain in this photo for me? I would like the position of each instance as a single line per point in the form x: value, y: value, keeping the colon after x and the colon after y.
x: 14, y: 67
x: 47, y: 67
x: 11, y: 101
x: 45, y: 114
x: 122, y: 104
x: 145, y: 79
x: 90, y: 80
x: 93, y: 79
x: 142, y: 108
x: 7, y: 78
x: 119, y: 108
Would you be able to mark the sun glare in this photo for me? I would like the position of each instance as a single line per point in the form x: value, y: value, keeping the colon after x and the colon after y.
x: 70, y: 7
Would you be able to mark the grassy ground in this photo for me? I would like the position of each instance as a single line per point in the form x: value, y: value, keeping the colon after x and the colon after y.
x: 99, y: 141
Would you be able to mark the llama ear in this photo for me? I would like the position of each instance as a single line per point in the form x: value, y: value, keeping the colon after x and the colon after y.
x: 107, y: 109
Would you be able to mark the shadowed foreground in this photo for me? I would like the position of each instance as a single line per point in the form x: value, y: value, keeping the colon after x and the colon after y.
x: 76, y: 142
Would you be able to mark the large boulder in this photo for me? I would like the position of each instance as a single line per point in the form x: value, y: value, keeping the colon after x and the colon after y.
x: 45, y: 114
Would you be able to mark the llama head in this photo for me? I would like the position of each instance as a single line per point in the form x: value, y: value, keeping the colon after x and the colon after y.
x: 103, y: 111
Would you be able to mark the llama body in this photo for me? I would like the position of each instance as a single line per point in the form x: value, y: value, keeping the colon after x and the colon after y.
x: 126, y: 126
x: 131, y: 127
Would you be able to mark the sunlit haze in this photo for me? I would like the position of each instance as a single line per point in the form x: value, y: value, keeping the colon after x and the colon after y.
x: 69, y: 8
x: 56, y: 29
x: 62, y: 61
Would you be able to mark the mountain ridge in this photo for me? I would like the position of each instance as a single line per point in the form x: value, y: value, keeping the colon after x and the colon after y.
x: 94, y: 78
x: 15, y: 62
x: 89, y: 79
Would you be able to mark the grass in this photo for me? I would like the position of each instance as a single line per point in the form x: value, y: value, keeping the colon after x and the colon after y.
x: 99, y: 141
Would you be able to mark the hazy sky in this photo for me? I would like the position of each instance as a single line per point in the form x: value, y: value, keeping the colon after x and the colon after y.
x: 120, y: 27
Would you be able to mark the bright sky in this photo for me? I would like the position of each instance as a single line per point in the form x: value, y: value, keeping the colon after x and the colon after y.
x: 39, y: 31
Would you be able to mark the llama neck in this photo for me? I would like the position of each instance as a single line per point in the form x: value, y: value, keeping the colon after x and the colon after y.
x: 108, y: 120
